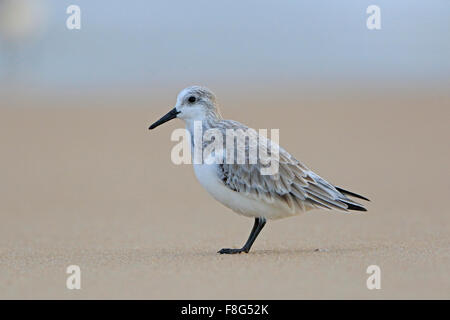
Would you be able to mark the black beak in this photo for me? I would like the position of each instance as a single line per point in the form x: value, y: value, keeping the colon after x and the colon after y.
x: 172, y: 114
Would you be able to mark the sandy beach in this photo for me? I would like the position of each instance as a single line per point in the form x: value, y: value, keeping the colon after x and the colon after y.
x: 90, y: 185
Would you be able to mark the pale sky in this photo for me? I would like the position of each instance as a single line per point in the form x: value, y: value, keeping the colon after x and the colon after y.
x: 145, y: 42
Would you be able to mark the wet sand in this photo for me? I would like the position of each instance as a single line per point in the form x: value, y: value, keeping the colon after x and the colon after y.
x: 92, y: 186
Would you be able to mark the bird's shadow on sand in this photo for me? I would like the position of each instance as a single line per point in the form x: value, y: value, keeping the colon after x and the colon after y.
x: 276, y: 252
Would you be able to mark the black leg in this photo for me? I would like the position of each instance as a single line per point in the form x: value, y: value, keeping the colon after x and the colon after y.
x: 257, y: 227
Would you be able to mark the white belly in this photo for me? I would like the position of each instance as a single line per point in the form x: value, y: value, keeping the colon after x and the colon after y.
x: 208, y: 177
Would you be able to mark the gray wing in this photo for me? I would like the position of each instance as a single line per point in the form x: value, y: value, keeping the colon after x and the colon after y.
x: 295, y: 185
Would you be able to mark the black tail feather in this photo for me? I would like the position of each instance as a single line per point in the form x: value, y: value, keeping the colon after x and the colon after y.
x: 351, y: 194
x: 351, y: 206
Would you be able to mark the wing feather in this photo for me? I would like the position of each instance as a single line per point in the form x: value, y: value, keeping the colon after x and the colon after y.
x: 294, y: 184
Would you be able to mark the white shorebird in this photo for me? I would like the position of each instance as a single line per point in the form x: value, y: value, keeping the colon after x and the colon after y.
x: 241, y: 187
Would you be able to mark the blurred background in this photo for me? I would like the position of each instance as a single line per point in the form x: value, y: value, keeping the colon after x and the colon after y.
x: 84, y: 182
x: 146, y: 45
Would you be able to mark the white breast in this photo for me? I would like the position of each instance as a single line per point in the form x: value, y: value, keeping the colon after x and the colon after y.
x: 207, y: 175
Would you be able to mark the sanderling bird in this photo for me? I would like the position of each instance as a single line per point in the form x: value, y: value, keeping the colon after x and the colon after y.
x: 243, y: 188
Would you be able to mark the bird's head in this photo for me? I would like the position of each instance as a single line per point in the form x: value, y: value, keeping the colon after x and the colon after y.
x: 193, y: 103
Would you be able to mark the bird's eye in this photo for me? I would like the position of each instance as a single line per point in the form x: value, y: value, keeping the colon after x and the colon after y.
x: 192, y: 99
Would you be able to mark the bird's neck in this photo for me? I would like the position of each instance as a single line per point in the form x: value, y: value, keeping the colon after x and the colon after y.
x: 208, y: 121
x: 197, y: 127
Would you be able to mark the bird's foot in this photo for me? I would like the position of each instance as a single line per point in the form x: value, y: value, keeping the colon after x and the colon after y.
x: 232, y: 251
